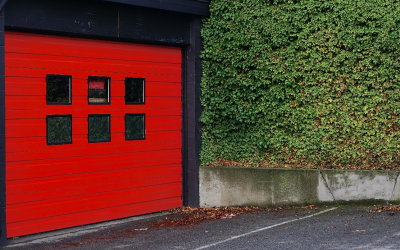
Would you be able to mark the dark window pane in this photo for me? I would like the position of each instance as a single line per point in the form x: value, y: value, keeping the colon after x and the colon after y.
x: 99, y: 128
x: 58, y: 89
x: 134, y: 90
x: 59, y: 129
x: 98, y: 89
x: 134, y: 126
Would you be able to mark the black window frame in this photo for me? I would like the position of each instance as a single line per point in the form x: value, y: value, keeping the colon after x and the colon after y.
x: 47, y: 130
x: 144, y: 126
x: 144, y: 91
x: 109, y: 90
x: 70, y: 90
x: 109, y: 127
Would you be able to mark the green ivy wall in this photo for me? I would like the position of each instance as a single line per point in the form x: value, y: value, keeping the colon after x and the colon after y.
x: 302, y: 83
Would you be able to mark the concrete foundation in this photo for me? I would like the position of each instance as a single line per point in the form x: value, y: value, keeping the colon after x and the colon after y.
x: 229, y: 186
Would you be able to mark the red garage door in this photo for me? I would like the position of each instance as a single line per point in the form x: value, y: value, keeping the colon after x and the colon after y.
x: 93, y: 131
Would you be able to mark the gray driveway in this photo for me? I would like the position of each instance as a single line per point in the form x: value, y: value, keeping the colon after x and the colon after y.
x: 347, y: 227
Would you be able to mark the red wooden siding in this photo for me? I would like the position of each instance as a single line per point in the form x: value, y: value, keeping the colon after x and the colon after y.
x: 58, y: 186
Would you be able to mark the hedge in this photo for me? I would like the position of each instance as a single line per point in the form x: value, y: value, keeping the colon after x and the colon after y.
x: 302, y: 83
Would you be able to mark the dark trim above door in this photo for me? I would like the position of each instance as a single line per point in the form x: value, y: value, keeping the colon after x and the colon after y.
x: 184, y: 6
x: 195, y: 7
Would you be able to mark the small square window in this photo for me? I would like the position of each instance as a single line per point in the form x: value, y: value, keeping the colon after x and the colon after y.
x: 134, y: 126
x: 134, y: 90
x: 98, y: 90
x: 59, y: 129
x: 99, y: 128
x: 58, y: 88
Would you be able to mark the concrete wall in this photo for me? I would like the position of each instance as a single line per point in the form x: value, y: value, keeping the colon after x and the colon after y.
x: 229, y: 186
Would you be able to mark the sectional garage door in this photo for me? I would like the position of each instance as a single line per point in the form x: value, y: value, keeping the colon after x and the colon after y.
x: 93, y: 131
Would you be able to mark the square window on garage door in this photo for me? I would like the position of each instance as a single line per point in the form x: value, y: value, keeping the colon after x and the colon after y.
x: 58, y: 89
x: 134, y: 126
x: 134, y: 90
x: 99, y: 128
x: 59, y: 129
x: 98, y: 90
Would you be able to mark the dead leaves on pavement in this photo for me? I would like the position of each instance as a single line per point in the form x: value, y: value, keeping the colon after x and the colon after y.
x: 390, y: 208
x: 191, y: 216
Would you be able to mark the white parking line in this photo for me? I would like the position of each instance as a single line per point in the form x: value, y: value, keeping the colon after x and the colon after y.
x: 264, y: 228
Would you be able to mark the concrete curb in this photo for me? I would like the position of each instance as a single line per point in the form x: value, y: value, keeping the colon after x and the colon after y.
x: 232, y: 186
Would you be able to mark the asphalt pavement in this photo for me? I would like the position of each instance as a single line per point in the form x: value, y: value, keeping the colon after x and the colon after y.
x: 345, y: 227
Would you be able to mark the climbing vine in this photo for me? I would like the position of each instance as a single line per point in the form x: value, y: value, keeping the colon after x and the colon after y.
x: 304, y: 83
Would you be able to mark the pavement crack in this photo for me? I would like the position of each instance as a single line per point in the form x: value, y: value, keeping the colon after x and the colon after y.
x: 394, y: 187
x: 327, y: 186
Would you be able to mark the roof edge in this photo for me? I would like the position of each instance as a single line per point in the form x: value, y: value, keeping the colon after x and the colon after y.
x: 199, y: 7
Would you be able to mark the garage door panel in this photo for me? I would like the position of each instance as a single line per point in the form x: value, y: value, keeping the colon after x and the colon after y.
x: 29, y: 86
x: 37, y: 87
x: 39, y: 144
x: 56, y: 186
x: 81, y: 142
x: 22, y: 171
x: 28, y: 114
x: 68, y: 205
x: 28, y: 61
x: 84, y: 51
x: 76, y: 159
x: 79, y: 102
x: 73, y: 152
x: 17, y: 42
x: 161, y: 89
x: 90, y: 179
x: 165, y: 124
x: 86, y: 160
x: 92, y: 168
x: 37, y: 127
x: 69, y: 220
x: 93, y: 109
x: 101, y: 45
x: 70, y: 192
x: 82, y: 74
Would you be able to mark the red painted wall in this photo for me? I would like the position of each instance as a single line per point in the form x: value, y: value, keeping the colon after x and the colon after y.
x: 56, y: 186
